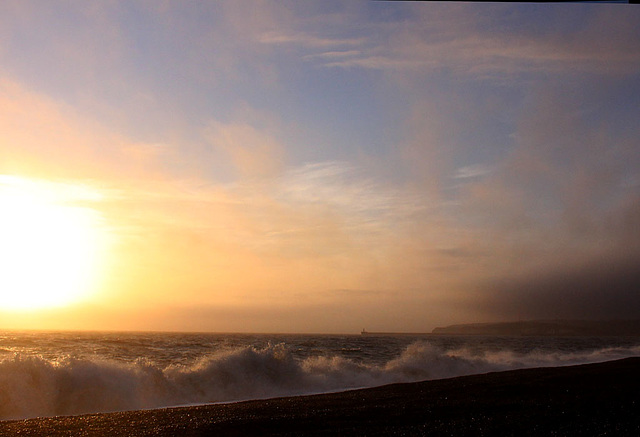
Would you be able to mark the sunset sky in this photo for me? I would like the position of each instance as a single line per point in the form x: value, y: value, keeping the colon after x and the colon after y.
x: 317, y: 166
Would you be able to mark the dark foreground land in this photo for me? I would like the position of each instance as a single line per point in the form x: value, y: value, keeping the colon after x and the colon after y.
x: 588, y: 400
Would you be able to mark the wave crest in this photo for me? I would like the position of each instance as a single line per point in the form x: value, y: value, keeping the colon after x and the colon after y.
x: 32, y: 386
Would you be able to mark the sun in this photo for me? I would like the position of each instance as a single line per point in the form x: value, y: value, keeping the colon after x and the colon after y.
x: 50, y: 244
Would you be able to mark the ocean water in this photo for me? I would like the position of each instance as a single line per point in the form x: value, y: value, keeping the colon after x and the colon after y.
x: 66, y: 373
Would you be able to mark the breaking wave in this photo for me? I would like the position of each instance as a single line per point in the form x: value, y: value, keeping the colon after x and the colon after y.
x: 31, y: 386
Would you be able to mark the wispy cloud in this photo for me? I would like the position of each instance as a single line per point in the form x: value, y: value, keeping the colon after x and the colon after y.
x: 342, y: 186
x: 471, y: 47
x: 40, y: 134
x: 337, y: 54
x: 306, y: 40
x: 254, y: 152
x: 472, y: 171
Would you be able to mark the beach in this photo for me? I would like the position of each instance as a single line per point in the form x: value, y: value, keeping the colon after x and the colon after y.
x: 591, y: 399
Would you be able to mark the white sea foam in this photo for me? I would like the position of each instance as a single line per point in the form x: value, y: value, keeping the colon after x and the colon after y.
x: 32, y: 386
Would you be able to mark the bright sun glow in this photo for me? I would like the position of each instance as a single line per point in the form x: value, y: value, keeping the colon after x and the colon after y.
x: 50, y: 246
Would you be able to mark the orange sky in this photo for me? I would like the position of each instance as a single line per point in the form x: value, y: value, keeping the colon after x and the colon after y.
x: 321, y: 167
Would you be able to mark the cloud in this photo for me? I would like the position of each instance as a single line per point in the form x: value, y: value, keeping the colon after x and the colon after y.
x: 316, y: 227
x: 337, y: 54
x: 305, y: 40
x: 254, y: 152
x: 472, y: 171
x: 555, y: 218
x: 480, y: 46
x: 510, y: 158
x: 305, y: 228
x: 43, y: 136
x: 324, y: 209
x: 604, y: 288
x: 343, y: 185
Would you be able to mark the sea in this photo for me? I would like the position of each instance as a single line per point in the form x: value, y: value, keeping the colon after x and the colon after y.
x: 69, y: 373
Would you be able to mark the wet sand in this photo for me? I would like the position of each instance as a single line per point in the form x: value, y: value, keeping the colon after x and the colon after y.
x: 588, y: 400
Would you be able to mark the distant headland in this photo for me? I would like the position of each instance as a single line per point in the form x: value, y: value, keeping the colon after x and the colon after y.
x: 558, y: 328
x: 547, y: 327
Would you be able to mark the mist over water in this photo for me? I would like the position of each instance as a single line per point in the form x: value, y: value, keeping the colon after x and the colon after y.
x: 47, y: 374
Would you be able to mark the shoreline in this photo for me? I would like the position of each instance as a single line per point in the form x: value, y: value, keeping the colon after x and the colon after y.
x: 588, y: 399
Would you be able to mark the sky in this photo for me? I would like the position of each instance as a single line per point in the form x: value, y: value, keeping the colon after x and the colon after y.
x: 319, y: 166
